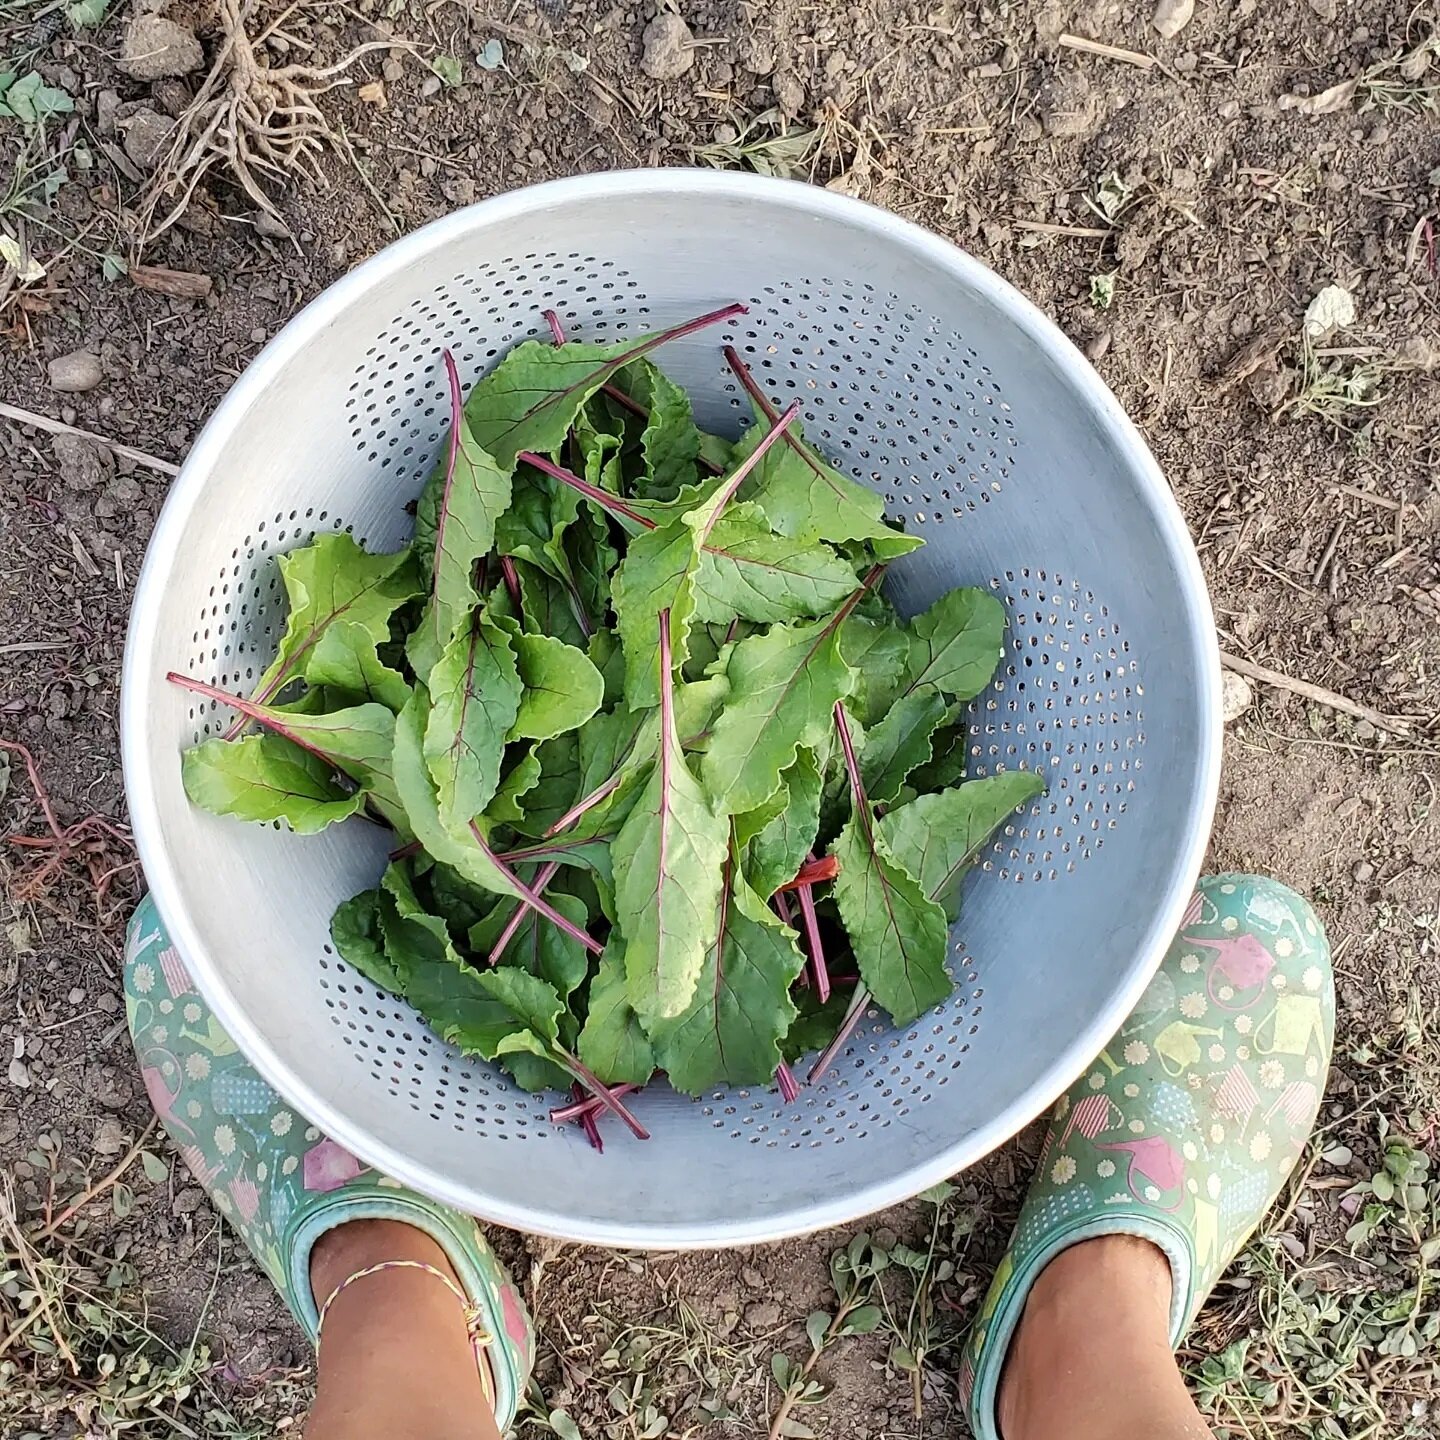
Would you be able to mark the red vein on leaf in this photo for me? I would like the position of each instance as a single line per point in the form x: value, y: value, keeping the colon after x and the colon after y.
x: 249, y: 710
x: 543, y: 851
x: 531, y: 898
x: 442, y: 512
x: 602, y: 498
x: 513, y: 924
x: 635, y: 352
x: 613, y: 391
x: 594, y: 798
x: 722, y: 497
x: 667, y: 726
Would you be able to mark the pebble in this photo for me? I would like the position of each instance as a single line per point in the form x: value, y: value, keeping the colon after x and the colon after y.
x: 187, y: 1201
x: 84, y: 465
x: 1236, y: 696
x: 392, y: 69
x: 668, y: 51
x: 107, y: 102
x: 1362, y: 872
x: 75, y: 373
x: 1067, y: 109
x: 155, y: 47
x: 762, y: 1315
x: 145, y: 135
x: 752, y: 1277
x: 109, y: 1137
x: 1099, y: 346
x: 19, y: 1075
x: 259, y: 335
x: 1172, y: 16
x: 272, y: 227
x: 789, y: 94
x: 430, y: 85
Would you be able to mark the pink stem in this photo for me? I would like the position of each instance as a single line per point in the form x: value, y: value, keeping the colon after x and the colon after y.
x: 589, y: 1105
x: 531, y: 898
x: 737, y: 478
x: 789, y: 1090
x: 603, y: 1093
x: 546, y: 875
x: 602, y: 498
x: 858, y: 1002
x: 249, y: 710
x: 812, y: 938
x: 782, y: 908
x: 593, y: 799
x: 512, y: 581
x: 557, y: 330
x: 613, y: 391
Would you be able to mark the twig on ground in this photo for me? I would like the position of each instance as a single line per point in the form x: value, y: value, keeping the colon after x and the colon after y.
x: 58, y: 427
x: 1317, y: 693
x: 1109, y: 52
x: 102, y: 1185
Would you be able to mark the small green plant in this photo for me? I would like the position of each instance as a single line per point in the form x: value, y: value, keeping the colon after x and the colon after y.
x: 1102, y: 290
x: 767, y: 146
x: 853, y: 1273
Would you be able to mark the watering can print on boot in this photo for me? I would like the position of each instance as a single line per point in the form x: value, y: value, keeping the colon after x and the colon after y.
x: 1178, y: 1046
x: 1157, y: 1170
x: 1238, y: 972
x: 1295, y: 1024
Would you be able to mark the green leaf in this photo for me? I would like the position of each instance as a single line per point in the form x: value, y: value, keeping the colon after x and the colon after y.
x: 897, y: 933
x: 329, y: 580
x: 936, y: 838
x: 669, y: 855
x: 455, y: 527
x: 948, y: 746
x: 730, y: 1032
x: 670, y: 442
x: 156, y: 1170
x: 779, y: 849
x: 531, y: 398
x: 783, y: 686
x: 517, y: 782
x: 880, y: 652
x: 346, y: 661
x: 805, y: 497
x: 563, y: 689
x: 264, y: 778
x: 898, y: 742
x: 747, y: 570
x: 863, y: 1320
x: 447, y: 67
x: 817, y: 1323
x: 355, y: 928
x: 547, y: 607
x: 613, y: 1043
x: 31, y: 101
x: 781, y: 1368
x: 563, y: 1426
x: 476, y: 694
x: 815, y: 1026
x: 654, y: 578
x: 537, y: 946
x: 559, y: 786
x: 955, y: 645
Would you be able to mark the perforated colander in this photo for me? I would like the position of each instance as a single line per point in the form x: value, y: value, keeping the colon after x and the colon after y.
x: 923, y: 375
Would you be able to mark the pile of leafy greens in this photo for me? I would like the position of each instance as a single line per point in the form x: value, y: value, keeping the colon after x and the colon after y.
x: 674, y: 788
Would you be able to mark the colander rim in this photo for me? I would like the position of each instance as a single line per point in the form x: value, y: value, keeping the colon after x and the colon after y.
x: 138, y: 674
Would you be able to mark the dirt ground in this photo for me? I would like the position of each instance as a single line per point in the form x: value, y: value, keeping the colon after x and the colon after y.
x: 1175, y: 204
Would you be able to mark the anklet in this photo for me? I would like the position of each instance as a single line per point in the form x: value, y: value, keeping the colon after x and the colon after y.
x: 480, y: 1335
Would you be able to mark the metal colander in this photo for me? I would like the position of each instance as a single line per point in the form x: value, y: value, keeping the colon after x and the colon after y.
x: 922, y: 374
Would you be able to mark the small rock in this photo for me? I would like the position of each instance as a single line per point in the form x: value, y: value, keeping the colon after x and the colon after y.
x: 1228, y: 109
x: 19, y: 1075
x: 107, y: 102
x: 391, y: 70
x: 76, y: 996
x: 1098, y: 347
x: 9, y: 1128
x: 111, y: 1087
x: 187, y: 1201
x: 430, y: 85
x: 109, y: 1137
x: 757, y: 55
x: 108, y: 1001
x: 1418, y: 353
x: 155, y: 47
x: 1236, y: 696
x: 145, y: 136
x: 1172, y: 16
x: 259, y: 335
x: 272, y: 227
x: 1028, y: 129
x: 84, y: 465
x: 1362, y: 872
x: 668, y: 48
x: 1067, y: 109
x: 752, y: 1277
x: 75, y: 373
x: 762, y: 1315
x: 1325, y: 9
x: 789, y: 94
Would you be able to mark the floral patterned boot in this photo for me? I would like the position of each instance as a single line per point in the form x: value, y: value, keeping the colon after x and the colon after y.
x: 278, y: 1180
x: 1188, y: 1124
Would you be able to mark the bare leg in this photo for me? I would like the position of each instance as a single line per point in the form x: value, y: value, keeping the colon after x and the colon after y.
x: 395, y: 1361
x: 1091, y: 1357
